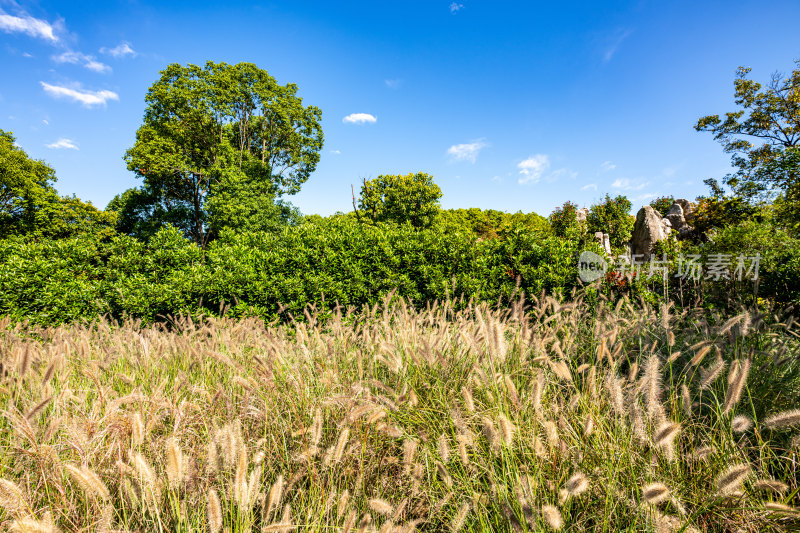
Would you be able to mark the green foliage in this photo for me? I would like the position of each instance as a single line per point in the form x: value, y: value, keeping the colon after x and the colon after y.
x: 612, y: 216
x: 719, y: 210
x: 662, y: 204
x: 30, y: 206
x: 321, y: 262
x: 564, y: 220
x: 762, y: 136
x: 217, y: 146
x: 25, y: 184
x: 490, y: 223
x: 410, y: 199
x: 779, y: 270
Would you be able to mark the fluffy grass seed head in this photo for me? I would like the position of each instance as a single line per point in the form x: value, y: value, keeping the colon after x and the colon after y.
x: 577, y: 484
x: 741, y: 424
x: 655, y: 493
x: 784, y: 419
x: 11, y: 497
x: 552, y: 516
x: 730, y: 480
x: 214, y: 511
x: 381, y: 506
x: 460, y: 518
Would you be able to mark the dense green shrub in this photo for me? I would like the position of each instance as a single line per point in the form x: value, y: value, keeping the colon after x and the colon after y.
x: 490, y: 223
x: 329, y: 261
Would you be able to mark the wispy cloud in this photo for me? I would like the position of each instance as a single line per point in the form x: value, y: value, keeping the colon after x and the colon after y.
x: 532, y: 168
x: 466, y: 152
x: 644, y: 197
x: 77, y: 58
x: 33, y: 27
x: 393, y: 84
x: 63, y: 144
x: 336, y: 152
x: 456, y: 7
x: 121, y: 50
x: 607, y: 166
x: 625, y: 184
x: 560, y: 174
x: 85, y: 97
x: 614, y: 43
x: 359, y: 118
x: 589, y: 186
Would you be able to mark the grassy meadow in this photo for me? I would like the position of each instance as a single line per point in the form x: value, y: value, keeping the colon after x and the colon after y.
x: 544, y: 416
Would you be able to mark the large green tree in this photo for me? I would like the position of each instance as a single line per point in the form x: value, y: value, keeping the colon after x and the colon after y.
x: 30, y: 205
x: 408, y: 199
x: 763, y: 137
x: 218, y: 145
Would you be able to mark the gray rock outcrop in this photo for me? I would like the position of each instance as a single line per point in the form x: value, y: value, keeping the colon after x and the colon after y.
x: 679, y: 219
x: 648, y: 229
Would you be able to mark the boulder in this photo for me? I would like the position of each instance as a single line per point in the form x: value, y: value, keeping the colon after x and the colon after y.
x: 675, y: 216
x: 688, y: 209
x: 604, y: 241
x: 678, y: 219
x: 647, y: 231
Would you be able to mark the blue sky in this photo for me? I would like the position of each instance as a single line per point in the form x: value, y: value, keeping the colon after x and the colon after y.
x: 509, y: 105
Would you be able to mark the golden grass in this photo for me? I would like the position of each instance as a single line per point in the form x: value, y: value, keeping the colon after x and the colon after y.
x: 531, y: 418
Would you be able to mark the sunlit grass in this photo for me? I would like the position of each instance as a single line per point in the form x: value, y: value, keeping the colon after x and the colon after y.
x: 543, y: 416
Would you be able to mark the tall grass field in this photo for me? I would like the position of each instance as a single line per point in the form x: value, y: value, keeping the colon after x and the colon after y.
x: 548, y: 415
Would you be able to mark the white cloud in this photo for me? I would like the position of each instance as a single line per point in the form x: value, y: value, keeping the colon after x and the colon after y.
x: 645, y: 197
x: 607, y: 166
x: 87, y: 98
x: 455, y: 7
x: 466, y: 152
x: 121, y: 50
x: 561, y: 173
x: 76, y: 58
x: 393, y: 84
x: 627, y: 185
x: 28, y: 25
x: 337, y: 152
x: 589, y: 186
x: 359, y: 118
x: 616, y: 41
x: 533, y: 168
x: 63, y: 144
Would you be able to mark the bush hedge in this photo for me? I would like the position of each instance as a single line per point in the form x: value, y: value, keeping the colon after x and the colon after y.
x: 328, y: 262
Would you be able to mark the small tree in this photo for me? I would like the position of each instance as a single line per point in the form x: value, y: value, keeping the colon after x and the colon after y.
x: 662, y: 204
x: 612, y: 216
x: 564, y: 220
x: 411, y: 199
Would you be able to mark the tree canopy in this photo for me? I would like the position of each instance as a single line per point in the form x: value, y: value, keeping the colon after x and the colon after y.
x: 763, y: 136
x: 218, y: 145
x: 410, y: 199
x: 30, y: 205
